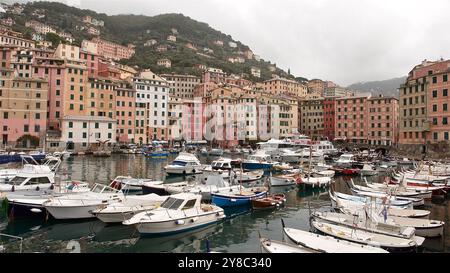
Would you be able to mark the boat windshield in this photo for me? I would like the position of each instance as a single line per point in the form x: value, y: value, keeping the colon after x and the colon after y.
x: 172, y: 203
x: 16, y: 180
x: 179, y: 163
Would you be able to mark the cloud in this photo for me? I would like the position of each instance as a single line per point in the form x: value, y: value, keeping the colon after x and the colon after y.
x: 345, y: 41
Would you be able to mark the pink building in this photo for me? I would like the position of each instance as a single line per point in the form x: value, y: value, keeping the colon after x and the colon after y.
x: 125, y: 112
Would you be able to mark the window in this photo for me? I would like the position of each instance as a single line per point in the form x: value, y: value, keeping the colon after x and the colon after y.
x: 84, y: 135
x: 70, y: 135
x: 26, y: 128
x: 445, y: 92
x: 37, y: 128
x: 435, y: 79
x: 435, y: 136
x: 96, y: 125
x: 445, y: 78
x: 70, y: 124
x: 444, y: 121
x: 434, y: 93
x: 446, y: 135
x: 434, y: 107
x: 445, y: 107
x: 84, y: 125
x: 189, y: 204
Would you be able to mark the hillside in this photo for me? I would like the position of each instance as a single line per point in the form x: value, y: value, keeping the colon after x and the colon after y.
x: 386, y: 87
x: 138, y: 29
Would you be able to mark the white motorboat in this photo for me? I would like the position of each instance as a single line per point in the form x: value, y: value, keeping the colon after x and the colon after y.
x: 389, y: 243
x: 30, y: 165
x: 212, y: 184
x: 30, y: 177
x: 161, y: 188
x: 79, y: 206
x: 179, y: 213
x: 324, y: 147
x: 368, y: 170
x: 404, y: 204
x: 184, y: 163
x: 128, y: 183
x: 130, y: 206
x: 345, y: 161
x: 257, y: 161
x: 401, y: 190
x: 327, y: 244
x: 29, y: 203
x: 283, y: 180
x: 215, y: 152
x: 302, y: 155
x: 271, y: 246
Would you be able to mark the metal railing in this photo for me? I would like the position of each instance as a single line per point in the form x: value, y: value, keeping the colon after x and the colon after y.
x: 14, y: 237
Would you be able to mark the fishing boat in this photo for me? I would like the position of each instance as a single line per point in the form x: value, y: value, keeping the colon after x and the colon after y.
x: 423, y: 227
x: 356, y: 207
x: 404, y: 204
x: 400, y: 189
x: 179, y: 213
x: 326, y: 244
x: 259, y: 160
x: 272, y: 201
x: 280, y: 167
x: 130, y: 206
x: 271, y: 246
x: 184, y: 163
x: 416, y: 202
x: 79, y: 206
x: 368, y: 170
x: 390, y: 243
x: 283, y: 180
x: 313, y: 182
x: 241, y: 198
x: 367, y: 224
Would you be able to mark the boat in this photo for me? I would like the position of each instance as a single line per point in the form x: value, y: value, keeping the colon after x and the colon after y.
x: 241, y: 198
x: 326, y: 244
x: 387, y: 242
x: 368, y: 170
x: 184, y: 163
x: 130, y: 206
x: 29, y: 203
x: 283, y: 180
x: 416, y: 202
x: 212, y: 183
x: 366, y: 224
x: 423, y: 227
x: 355, y: 207
x: 403, y: 204
x: 400, y: 189
x: 272, y: 201
x: 345, y: 161
x: 157, y: 152
x: 259, y: 160
x: 324, y: 147
x: 102, y: 153
x: 271, y: 246
x: 215, y: 152
x: 179, y: 213
x: 128, y: 183
x: 313, y: 182
x: 79, y: 206
x: 161, y: 188
x: 225, y: 164
x: 30, y: 177
x: 280, y: 167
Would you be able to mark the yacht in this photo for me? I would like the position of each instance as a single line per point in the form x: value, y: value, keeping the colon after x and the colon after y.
x: 302, y: 155
x: 30, y: 177
x: 50, y: 165
x: 324, y: 147
x: 79, y: 206
x: 179, y: 213
x: 184, y: 163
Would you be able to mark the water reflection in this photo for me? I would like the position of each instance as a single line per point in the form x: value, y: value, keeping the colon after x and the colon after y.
x: 239, y: 232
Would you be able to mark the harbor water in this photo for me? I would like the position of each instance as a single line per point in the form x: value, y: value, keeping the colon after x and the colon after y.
x: 238, y: 233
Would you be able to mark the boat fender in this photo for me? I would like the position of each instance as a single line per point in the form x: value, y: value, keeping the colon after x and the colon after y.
x: 194, y: 219
x: 233, y: 200
x: 179, y: 222
x: 35, y: 210
x: 37, y: 188
x: 13, y: 188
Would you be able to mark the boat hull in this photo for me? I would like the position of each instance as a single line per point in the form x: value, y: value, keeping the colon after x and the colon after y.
x: 171, y: 227
x: 256, y: 166
x: 234, y: 201
x: 76, y: 212
x: 279, y: 181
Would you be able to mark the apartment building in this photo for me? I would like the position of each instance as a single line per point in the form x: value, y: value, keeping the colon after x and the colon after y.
x: 182, y: 86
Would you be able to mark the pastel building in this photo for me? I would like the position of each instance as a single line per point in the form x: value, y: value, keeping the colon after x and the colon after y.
x: 311, y: 118
x: 182, y: 86
x: 382, y: 120
x: 350, y: 119
x: 125, y: 112
x: 23, y: 106
x: 284, y: 86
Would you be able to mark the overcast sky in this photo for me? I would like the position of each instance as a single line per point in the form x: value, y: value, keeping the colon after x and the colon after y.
x: 345, y: 41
